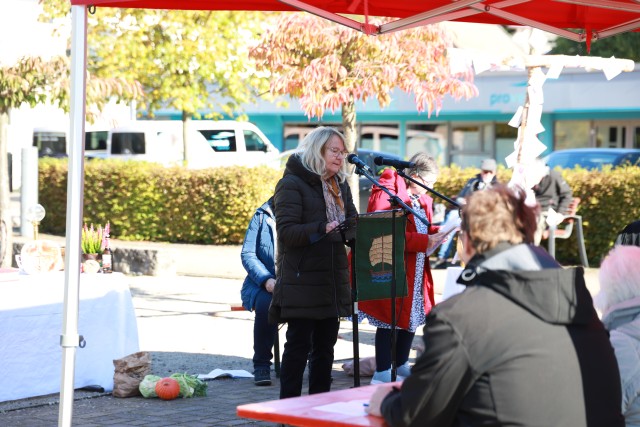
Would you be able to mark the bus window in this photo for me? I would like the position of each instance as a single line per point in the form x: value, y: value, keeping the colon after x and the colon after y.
x: 96, y: 140
x: 127, y: 143
x: 50, y: 143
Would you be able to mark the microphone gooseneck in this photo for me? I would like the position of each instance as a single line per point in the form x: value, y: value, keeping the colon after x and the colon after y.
x: 398, y: 164
x: 355, y: 160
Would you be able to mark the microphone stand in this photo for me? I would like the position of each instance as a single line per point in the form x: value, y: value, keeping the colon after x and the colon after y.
x: 431, y: 190
x: 394, y: 200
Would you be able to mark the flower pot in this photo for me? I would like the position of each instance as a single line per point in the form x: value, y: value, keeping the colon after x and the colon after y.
x: 91, y: 263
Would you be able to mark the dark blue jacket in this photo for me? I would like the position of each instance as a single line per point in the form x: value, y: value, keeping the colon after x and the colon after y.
x: 258, y: 254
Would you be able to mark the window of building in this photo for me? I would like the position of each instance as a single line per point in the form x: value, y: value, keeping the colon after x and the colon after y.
x: 383, y: 137
x: 470, y: 143
x: 571, y: 134
x: 505, y: 137
x: 429, y: 138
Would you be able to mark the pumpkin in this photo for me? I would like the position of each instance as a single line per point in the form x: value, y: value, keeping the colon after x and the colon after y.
x: 167, y: 389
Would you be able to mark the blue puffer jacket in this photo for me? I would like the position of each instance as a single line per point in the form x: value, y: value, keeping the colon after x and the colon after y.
x: 258, y: 254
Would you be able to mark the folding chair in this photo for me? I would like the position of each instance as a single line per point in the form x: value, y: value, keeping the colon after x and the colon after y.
x: 565, y: 229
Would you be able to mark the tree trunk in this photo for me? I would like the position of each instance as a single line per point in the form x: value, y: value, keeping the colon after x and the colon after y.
x: 351, y: 136
x: 6, y: 225
x: 185, y: 131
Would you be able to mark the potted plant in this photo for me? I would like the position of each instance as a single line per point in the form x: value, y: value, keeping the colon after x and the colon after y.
x: 92, y: 239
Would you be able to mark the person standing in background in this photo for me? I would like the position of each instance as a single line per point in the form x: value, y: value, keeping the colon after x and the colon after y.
x: 258, y: 259
x: 485, y: 179
x: 411, y: 310
x: 312, y: 287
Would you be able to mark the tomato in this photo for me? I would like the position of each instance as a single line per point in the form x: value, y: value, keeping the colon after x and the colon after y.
x: 167, y: 389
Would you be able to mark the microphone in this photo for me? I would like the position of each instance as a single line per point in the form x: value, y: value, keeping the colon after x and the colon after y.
x: 398, y: 164
x: 354, y: 160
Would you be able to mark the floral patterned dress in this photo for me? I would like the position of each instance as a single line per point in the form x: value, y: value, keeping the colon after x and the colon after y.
x: 418, y: 316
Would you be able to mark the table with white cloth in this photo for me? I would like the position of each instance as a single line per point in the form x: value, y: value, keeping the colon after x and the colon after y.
x: 31, y: 316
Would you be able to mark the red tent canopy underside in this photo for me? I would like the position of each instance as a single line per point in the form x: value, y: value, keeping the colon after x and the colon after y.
x: 597, y: 16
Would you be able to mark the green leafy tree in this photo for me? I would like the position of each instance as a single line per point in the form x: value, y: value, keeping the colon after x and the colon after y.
x: 621, y: 46
x: 329, y: 66
x: 33, y: 81
x: 192, y: 61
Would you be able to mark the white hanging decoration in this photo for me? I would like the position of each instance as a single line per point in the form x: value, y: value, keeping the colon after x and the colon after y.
x: 517, y: 118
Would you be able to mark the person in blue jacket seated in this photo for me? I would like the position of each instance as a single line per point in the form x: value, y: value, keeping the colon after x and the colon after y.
x: 258, y: 259
x: 522, y: 345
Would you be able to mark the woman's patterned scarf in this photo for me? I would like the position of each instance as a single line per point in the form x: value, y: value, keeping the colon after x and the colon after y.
x: 333, y: 200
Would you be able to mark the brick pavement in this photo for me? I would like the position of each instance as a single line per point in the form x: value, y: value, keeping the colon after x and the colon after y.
x: 217, y: 409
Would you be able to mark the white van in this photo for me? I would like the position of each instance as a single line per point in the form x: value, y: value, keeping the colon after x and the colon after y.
x: 53, y: 141
x: 232, y: 142
x: 210, y: 143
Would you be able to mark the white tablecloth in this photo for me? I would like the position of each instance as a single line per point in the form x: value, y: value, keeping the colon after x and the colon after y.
x: 31, y: 315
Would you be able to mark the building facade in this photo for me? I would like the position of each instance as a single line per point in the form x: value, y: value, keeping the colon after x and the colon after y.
x: 581, y: 109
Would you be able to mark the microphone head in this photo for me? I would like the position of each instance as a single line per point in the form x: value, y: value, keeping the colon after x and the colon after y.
x: 351, y: 158
x: 379, y: 160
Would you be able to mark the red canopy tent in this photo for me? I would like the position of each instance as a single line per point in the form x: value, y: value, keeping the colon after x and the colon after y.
x: 592, y: 18
x: 589, y: 20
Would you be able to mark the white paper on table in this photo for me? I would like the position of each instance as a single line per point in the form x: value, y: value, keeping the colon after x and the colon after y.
x: 354, y: 408
x: 446, y: 228
x: 225, y: 373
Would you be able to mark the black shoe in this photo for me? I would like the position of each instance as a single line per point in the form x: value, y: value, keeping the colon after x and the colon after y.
x: 441, y: 263
x: 262, y: 376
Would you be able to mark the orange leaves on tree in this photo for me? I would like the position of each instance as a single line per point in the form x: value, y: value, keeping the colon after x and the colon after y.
x: 327, y: 65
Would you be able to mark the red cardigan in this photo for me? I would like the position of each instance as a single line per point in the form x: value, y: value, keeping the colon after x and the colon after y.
x: 415, y: 243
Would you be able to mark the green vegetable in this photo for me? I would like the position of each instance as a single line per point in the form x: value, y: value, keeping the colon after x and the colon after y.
x: 190, y: 385
x: 147, y: 386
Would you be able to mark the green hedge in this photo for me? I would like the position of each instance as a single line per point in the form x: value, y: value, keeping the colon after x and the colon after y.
x: 610, y: 199
x: 148, y: 202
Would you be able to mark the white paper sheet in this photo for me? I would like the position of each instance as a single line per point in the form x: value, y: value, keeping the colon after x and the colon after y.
x: 436, y: 239
x: 225, y: 373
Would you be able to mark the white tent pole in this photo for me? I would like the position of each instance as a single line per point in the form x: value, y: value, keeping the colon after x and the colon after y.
x: 70, y: 339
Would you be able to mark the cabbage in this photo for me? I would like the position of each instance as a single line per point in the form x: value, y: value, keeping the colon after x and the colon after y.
x: 147, y: 386
x: 185, y: 389
x: 190, y: 385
